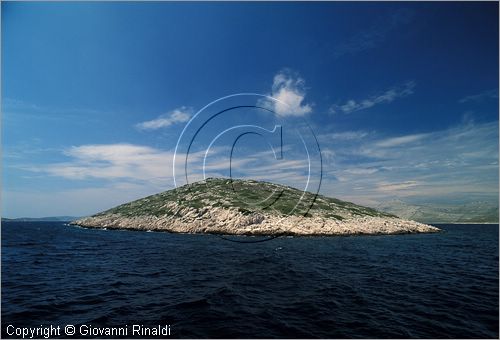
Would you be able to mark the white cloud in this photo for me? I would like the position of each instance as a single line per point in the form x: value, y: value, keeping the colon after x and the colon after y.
x: 385, y: 97
x: 390, y: 187
x: 289, y: 90
x: 396, y: 141
x: 348, y: 135
x: 179, y: 115
x: 360, y: 171
x: 111, y: 162
x: 490, y: 94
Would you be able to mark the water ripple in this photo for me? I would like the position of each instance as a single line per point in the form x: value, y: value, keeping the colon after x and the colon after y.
x: 408, y: 286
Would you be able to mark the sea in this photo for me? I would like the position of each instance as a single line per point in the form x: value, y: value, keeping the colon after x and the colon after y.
x: 442, y: 285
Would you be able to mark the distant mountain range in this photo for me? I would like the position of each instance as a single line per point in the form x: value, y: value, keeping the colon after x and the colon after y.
x: 479, y: 212
x: 42, y: 219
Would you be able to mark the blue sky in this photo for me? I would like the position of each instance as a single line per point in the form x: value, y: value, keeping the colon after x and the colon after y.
x: 403, y: 97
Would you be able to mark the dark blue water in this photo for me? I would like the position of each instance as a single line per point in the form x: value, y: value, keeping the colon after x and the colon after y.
x: 426, y: 286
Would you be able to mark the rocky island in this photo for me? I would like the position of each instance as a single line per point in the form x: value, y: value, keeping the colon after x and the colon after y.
x: 246, y: 207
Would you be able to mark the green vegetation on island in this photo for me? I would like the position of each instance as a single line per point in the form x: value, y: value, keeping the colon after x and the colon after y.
x: 247, y: 196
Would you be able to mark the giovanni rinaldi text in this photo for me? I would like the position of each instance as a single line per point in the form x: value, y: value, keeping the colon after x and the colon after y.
x: 50, y: 331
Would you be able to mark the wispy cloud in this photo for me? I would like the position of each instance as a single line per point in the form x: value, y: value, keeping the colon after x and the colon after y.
x: 397, y: 141
x: 179, y: 115
x: 16, y: 110
x: 457, y: 164
x: 391, y: 187
x: 375, y: 35
x: 289, y: 89
x: 387, y: 96
x: 361, y: 171
x: 112, y: 162
x: 490, y: 94
x: 348, y: 135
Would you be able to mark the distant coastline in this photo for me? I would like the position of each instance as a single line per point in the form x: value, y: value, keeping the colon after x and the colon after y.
x: 41, y: 219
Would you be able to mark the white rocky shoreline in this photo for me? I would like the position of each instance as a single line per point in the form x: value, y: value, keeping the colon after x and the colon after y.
x: 224, y: 221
